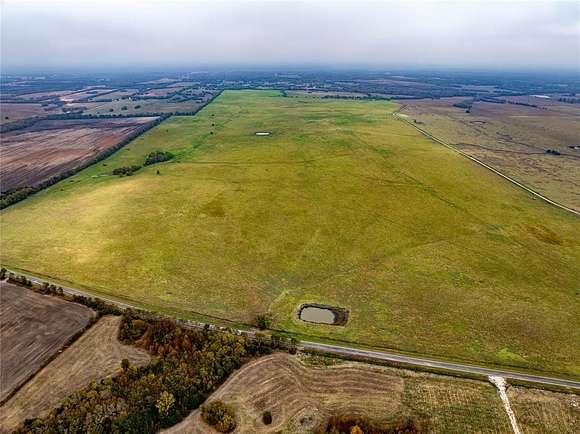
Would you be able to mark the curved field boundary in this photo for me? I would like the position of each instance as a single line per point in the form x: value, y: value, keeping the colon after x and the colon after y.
x: 487, y: 166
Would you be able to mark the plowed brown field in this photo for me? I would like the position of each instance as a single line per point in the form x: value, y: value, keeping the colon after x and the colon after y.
x: 32, y: 328
x: 48, y: 148
x: 96, y: 354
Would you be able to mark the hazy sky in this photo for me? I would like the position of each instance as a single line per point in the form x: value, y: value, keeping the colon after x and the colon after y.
x: 123, y: 33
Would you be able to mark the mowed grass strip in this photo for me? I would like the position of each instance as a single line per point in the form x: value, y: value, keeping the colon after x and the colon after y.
x: 343, y: 205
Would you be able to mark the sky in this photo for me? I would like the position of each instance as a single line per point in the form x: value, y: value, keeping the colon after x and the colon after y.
x: 105, y: 34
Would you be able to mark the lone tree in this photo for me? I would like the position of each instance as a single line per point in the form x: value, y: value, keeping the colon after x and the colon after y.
x: 219, y: 415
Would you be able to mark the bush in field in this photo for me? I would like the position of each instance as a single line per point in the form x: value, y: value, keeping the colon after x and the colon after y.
x: 219, y: 415
x: 267, y: 417
x: 126, y: 170
x: 263, y: 322
x: 158, y: 157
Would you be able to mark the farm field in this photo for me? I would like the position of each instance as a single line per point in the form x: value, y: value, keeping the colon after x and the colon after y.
x: 96, y: 354
x: 34, y: 327
x: 513, y: 139
x: 544, y: 412
x: 47, y: 148
x: 300, y: 397
x: 342, y: 205
x: 121, y: 93
x: 136, y: 107
x: 11, y: 112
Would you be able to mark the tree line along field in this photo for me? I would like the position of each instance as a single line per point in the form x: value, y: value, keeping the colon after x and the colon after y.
x: 342, y: 205
x: 49, y: 148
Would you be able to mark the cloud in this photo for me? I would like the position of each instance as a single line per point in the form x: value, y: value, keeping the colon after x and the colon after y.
x: 105, y: 33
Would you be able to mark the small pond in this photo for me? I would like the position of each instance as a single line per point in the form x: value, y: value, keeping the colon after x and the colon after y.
x: 317, y: 314
x: 321, y: 314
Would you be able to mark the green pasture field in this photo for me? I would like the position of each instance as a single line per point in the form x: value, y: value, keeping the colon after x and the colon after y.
x: 342, y: 205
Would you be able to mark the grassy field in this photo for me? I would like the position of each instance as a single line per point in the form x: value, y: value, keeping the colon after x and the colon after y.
x: 343, y: 205
x: 300, y: 397
x: 96, y: 354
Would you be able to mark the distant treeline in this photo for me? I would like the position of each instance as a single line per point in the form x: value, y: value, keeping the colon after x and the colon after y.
x: 12, y: 197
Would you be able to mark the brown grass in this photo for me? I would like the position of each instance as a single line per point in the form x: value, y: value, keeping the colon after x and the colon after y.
x: 513, y: 139
x: 300, y: 396
x: 15, y: 112
x: 32, y: 328
x: 96, y: 354
x: 48, y: 148
x: 543, y: 412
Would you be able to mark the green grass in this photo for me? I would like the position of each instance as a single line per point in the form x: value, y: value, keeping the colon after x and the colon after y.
x: 342, y: 205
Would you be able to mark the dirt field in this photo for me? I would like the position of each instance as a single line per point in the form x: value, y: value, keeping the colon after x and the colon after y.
x: 163, y: 92
x: 543, y: 412
x: 301, y: 395
x: 96, y: 354
x: 514, y: 139
x: 48, y: 148
x: 144, y: 106
x: 15, y: 112
x: 124, y: 93
x: 32, y: 328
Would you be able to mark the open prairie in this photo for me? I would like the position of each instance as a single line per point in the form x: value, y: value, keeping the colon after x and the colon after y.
x: 96, y: 354
x: 300, y: 397
x: 47, y: 148
x: 33, y: 328
x: 514, y: 139
x: 343, y: 205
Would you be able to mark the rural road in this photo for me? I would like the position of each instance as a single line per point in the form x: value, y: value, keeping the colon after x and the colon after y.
x: 455, y: 367
x: 355, y: 352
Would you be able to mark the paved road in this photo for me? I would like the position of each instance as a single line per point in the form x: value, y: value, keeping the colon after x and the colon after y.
x: 455, y: 367
x: 348, y: 351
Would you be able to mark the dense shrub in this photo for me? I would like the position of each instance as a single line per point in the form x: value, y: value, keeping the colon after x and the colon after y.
x: 158, y: 157
x: 263, y: 322
x: 219, y: 415
x: 267, y: 417
x: 126, y: 170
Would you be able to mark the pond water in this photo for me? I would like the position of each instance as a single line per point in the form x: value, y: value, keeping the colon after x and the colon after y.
x: 317, y: 314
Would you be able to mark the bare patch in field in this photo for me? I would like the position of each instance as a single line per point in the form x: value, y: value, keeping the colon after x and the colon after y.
x: 95, y: 355
x: 48, y: 148
x: 33, y: 328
